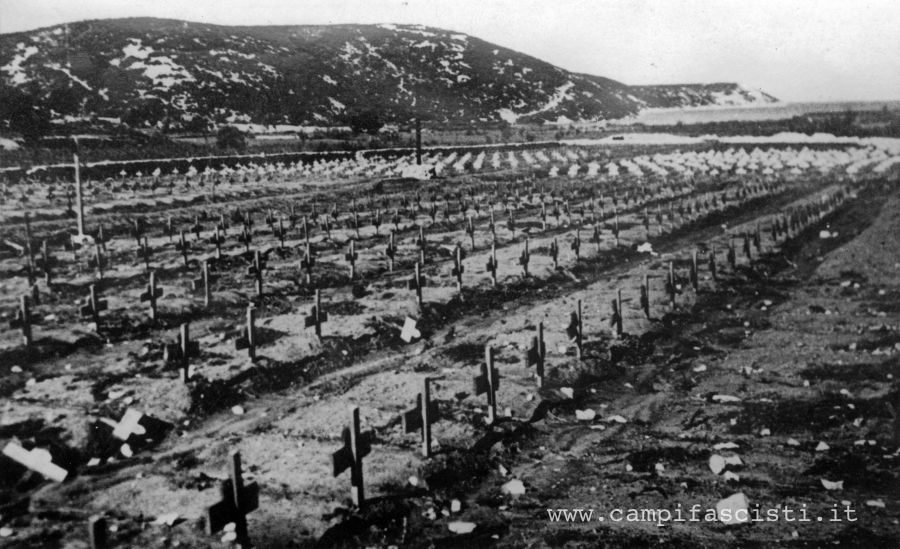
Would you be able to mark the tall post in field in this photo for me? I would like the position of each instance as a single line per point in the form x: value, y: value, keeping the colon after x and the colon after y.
x: 79, y: 204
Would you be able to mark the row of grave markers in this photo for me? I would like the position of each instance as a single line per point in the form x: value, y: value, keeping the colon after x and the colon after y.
x: 239, y: 499
x: 93, y: 305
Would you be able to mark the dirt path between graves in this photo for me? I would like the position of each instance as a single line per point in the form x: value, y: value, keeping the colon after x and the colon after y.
x: 758, y: 335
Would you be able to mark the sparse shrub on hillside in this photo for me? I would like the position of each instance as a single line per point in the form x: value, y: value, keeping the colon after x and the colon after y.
x: 230, y: 137
x: 367, y: 121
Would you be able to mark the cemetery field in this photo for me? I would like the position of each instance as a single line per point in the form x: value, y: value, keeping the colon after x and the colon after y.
x: 437, y: 355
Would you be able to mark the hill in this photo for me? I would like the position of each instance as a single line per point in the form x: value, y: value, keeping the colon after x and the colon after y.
x: 149, y: 71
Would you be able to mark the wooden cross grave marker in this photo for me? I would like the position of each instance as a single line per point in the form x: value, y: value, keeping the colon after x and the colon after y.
x: 575, y: 330
x: 308, y: 262
x: 217, y: 240
x: 316, y: 315
x: 256, y: 271
x: 671, y: 284
x: 237, y: 501
x: 421, y: 416
x: 615, y: 319
x: 417, y: 282
x: 470, y: 230
x: 391, y: 251
x: 92, y: 306
x: 184, y: 246
x: 458, y: 270
x: 247, y: 336
x: 524, y: 258
x: 22, y: 320
x: 537, y: 354
x: 351, y: 256
x: 554, y: 253
x: 144, y: 252
x: 204, y: 282
x: 491, y: 266
x: 151, y: 294
x: 37, y: 459
x: 576, y: 245
x: 645, y: 296
x: 182, y: 351
x: 487, y: 382
x: 98, y: 262
x: 731, y: 256
x: 694, y: 274
x: 356, y: 446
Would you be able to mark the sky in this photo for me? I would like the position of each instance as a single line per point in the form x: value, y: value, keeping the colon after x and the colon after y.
x: 809, y: 50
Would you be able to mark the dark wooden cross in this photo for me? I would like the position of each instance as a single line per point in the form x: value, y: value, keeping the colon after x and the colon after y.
x: 217, y: 240
x: 144, y: 252
x: 356, y: 446
x: 524, y: 258
x: 280, y: 233
x: 184, y: 246
x: 595, y: 237
x: 47, y: 262
x: 99, y: 261
x: 536, y: 355
x: 421, y: 242
x: 458, y: 270
x: 470, y: 230
x: 731, y: 256
x: 222, y: 225
x: 575, y: 330
x: 747, y: 253
x: 554, y: 253
x: 391, y: 252
x: 694, y: 274
x: 92, y: 306
x: 247, y: 337
x: 137, y: 229
x: 152, y: 294
x: 351, y: 256
x: 421, y: 416
x: 645, y: 296
x: 615, y: 319
x: 491, y: 266
x: 308, y: 262
x: 256, y: 271
x: 196, y: 227
x: 576, y: 244
x: 671, y: 284
x: 203, y: 282
x: 316, y: 315
x: 237, y: 501
x: 487, y: 382
x: 712, y: 263
x: 246, y: 237
x: 417, y: 282
x: 616, y: 225
x: 22, y: 320
x: 182, y: 351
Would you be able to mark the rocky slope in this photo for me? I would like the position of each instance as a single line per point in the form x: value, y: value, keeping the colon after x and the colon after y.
x: 146, y: 71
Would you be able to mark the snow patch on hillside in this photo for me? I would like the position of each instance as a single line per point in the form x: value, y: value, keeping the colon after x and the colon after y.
x: 136, y: 50
x: 14, y: 67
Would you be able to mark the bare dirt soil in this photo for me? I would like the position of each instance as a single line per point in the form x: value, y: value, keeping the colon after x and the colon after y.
x: 782, y: 368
